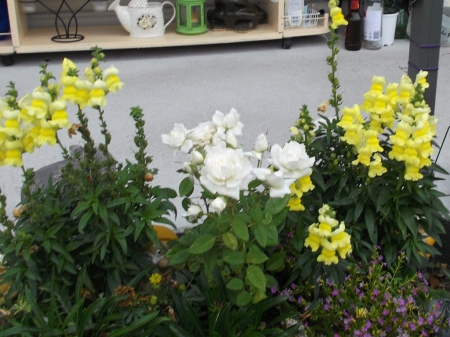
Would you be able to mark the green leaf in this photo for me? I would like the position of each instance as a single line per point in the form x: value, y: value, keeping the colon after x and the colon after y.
x: 272, y: 235
x: 230, y: 241
x: 233, y: 258
x: 186, y: 187
x: 84, y: 221
x: 240, y: 229
x: 243, y: 298
x: 178, y: 257
x: 202, y: 244
x: 255, y: 277
x: 256, y: 214
x: 82, y: 206
x: 276, y: 262
x: 370, y: 223
x: 235, y: 284
x: 276, y: 205
x: 261, y: 234
x: 255, y: 255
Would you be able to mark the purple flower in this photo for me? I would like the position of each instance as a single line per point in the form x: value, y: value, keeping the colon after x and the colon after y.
x: 385, y: 312
x: 376, y: 292
x: 273, y: 289
x: 420, y: 321
x: 381, y: 320
x: 286, y: 292
x: 430, y: 319
x: 412, y: 326
x: 326, y: 307
x: 300, y: 299
x: 335, y: 292
x: 293, y: 286
x: 387, y: 296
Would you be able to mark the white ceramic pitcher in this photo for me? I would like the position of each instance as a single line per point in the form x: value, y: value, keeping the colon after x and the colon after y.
x: 141, y: 18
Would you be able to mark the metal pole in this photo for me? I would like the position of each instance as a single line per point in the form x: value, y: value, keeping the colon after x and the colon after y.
x: 424, y: 47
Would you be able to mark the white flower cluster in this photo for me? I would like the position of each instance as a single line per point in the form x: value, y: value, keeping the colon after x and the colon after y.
x: 224, y: 169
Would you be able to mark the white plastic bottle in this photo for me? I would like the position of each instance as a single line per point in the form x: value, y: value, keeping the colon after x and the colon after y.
x: 373, y: 14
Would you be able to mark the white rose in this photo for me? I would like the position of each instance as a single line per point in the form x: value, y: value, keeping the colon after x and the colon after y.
x: 226, y: 171
x: 291, y: 159
x: 279, y: 186
x: 193, y: 212
x: 202, y: 134
x: 218, y: 204
x: 177, y: 138
x: 229, y: 122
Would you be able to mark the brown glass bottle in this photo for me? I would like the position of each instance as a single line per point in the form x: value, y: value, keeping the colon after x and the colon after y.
x: 354, y: 29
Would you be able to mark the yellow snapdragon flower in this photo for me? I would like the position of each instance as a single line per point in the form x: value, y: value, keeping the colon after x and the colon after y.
x: 329, y: 235
x: 376, y: 167
x: 337, y: 18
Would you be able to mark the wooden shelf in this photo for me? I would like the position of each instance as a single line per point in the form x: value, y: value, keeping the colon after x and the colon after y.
x: 116, y: 37
x: 6, y: 46
x: 38, y: 40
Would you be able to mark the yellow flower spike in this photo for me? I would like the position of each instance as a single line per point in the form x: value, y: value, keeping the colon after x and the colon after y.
x: 113, y: 83
x: 424, y: 149
x: 345, y: 251
x: 402, y: 134
x: 410, y: 156
x: 412, y: 173
x: 421, y: 78
x: 363, y: 158
x: 424, y: 162
x: 13, y: 158
x: 340, y: 240
x: 13, y: 153
x: 337, y: 17
x: 332, y: 4
x: 372, y: 143
x: 376, y: 124
x: 97, y: 94
x: 328, y: 257
x: 313, y: 242
x: 12, y: 128
x: 423, y: 134
x: 69, y: 93
x: 328, y: 219
x: 376, y: 167
x: 110, y: 76
x: 305, y: 183
x: 67, y: 65
x: 396, y: 153
x: 46, y: 136
x: 295, y: 205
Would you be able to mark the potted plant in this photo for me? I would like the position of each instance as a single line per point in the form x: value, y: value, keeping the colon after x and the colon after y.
x: 389, y: 22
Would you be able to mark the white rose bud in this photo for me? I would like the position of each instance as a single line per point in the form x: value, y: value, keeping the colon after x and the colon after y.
x: 261, y: 143
x: 187, y: 167
x: 193, y: 212
x: 197, y: 158
x: 219, y: 204
x: 232, y: 140
x: 294, y: 130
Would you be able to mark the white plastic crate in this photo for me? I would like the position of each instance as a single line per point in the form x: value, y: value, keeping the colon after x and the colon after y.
x: 306, y: 20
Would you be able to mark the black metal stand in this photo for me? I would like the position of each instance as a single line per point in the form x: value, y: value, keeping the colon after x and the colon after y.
x: 66, y: 32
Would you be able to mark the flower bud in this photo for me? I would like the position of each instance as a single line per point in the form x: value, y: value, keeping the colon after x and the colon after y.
x: 197, y: 158
x: 187, y: 167
x: 148, y: 177
x: 231, y: 140
x: 219, y: 204
x: 153, y: 300
x: 294, y: 130
x: 261, y: 143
